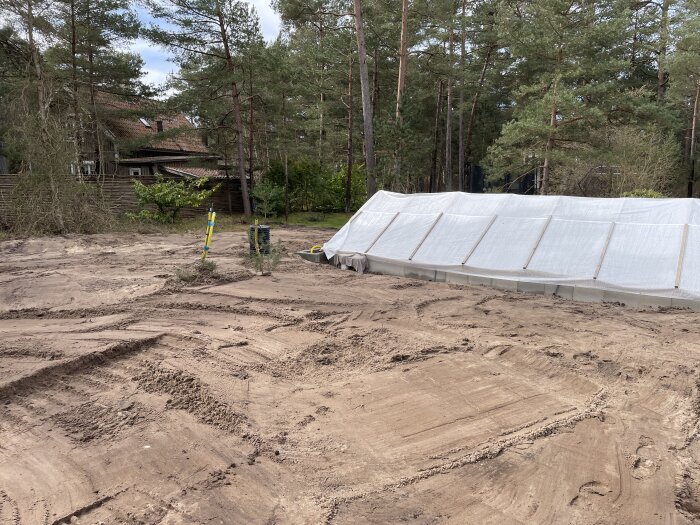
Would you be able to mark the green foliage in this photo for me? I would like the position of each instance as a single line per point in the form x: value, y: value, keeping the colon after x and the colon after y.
x: 332, y: 195
x: 313, y: 188
x: 647, y: 158
x: 644, y: 193
x: 269, y: 198
x: 170, y: 196
x: 265, y: 263
x: 573, y: 85
x: 305, y: 176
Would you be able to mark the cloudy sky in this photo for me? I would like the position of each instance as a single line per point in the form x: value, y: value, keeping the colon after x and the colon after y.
x: 157, y: 66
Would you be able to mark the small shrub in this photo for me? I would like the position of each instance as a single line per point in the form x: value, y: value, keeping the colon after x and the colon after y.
x: 207, y: 266
x: 201, y: 272
x: 646, y: 193
x: 186, y: 275
x: 265, y: 264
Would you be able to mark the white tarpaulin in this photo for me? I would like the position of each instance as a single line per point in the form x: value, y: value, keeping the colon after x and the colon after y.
x: 649, y: 246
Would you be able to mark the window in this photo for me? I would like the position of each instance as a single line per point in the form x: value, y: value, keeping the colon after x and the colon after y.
x: 134, y: 172
x: 145, y: 122
x: 159, y: 126
x: 88, y: 167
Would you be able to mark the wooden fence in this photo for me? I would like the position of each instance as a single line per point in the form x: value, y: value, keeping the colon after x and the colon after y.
x: 120, y: 196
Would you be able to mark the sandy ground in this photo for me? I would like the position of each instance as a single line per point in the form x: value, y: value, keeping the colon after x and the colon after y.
x: 323, y: 396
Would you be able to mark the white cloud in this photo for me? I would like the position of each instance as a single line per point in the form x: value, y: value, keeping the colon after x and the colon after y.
x: 156, y: 64
x: 155, y: 77
x: 269, y: 19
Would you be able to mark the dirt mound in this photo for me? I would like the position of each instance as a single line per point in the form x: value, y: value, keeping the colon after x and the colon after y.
x: 188, y: 393
x: 93, y: 421
x: 204, y: 273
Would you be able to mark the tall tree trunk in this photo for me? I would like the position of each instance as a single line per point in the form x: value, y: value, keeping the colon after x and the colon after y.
x: 322, y: 96
x: 235, y: 94
x: 448, y: 117
x: 401, y: 84
x: 460, y: 138
x: 94, y: 124
x: 375, y: 81
x: 635, y: 39
x: 348, y: 180
x: 472, y: 116
x: 286, y: 166
x: 693, y: 140
x: 546, y: 166
x: 74, y: 86
x: 402, y: 58
x: 251, y: 125
x: 38, y: 71
x: 43, y: 100
x: 236, y: 102
x: 663, y: 45
x: 366, y: 102
x: 432, y: 182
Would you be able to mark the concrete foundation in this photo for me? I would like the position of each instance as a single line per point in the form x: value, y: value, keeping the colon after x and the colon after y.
x: 565, y: 291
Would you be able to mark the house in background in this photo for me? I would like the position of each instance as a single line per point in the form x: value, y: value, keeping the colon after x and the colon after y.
x: 138, y: 141
x: 140, y: 144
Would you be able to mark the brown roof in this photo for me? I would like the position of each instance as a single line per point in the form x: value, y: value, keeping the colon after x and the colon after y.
x: 167, y: 159
x: 197, y: 173
x: 179, y: 134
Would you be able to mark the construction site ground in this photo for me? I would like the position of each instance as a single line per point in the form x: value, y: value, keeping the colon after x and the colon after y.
x: 316, y: 395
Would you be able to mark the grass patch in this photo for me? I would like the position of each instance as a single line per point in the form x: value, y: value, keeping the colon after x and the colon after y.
x: 228, y: 223
x: 224, y: 223
x: 316, y: 219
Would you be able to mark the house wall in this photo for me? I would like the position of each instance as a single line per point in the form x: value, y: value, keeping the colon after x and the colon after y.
x: 7, y: 184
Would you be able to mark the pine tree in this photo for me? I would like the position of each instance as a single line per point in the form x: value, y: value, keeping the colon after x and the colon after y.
x: 207, y: 39
x: 85, y: 57
x: 568, y: 59
x: 684, y: 82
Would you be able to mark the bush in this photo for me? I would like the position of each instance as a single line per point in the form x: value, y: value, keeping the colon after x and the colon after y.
x: 71, y: 207
x: 644, y: 193
x: 313, y: 188
x: 304, y: 181
x: 649, y: 160
x: 47, y: 198
x: 170, y: 197
x: 263, y: 263
x: 201, y: 271
x: 332, y: 198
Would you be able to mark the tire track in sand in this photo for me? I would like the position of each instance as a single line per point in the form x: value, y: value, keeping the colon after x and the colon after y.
x: 50, y: 375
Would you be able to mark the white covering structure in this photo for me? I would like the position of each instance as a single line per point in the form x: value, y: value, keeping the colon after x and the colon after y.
x: 582, y: 246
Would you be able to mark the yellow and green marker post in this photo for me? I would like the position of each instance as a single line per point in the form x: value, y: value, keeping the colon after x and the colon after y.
x: 211, y: 218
